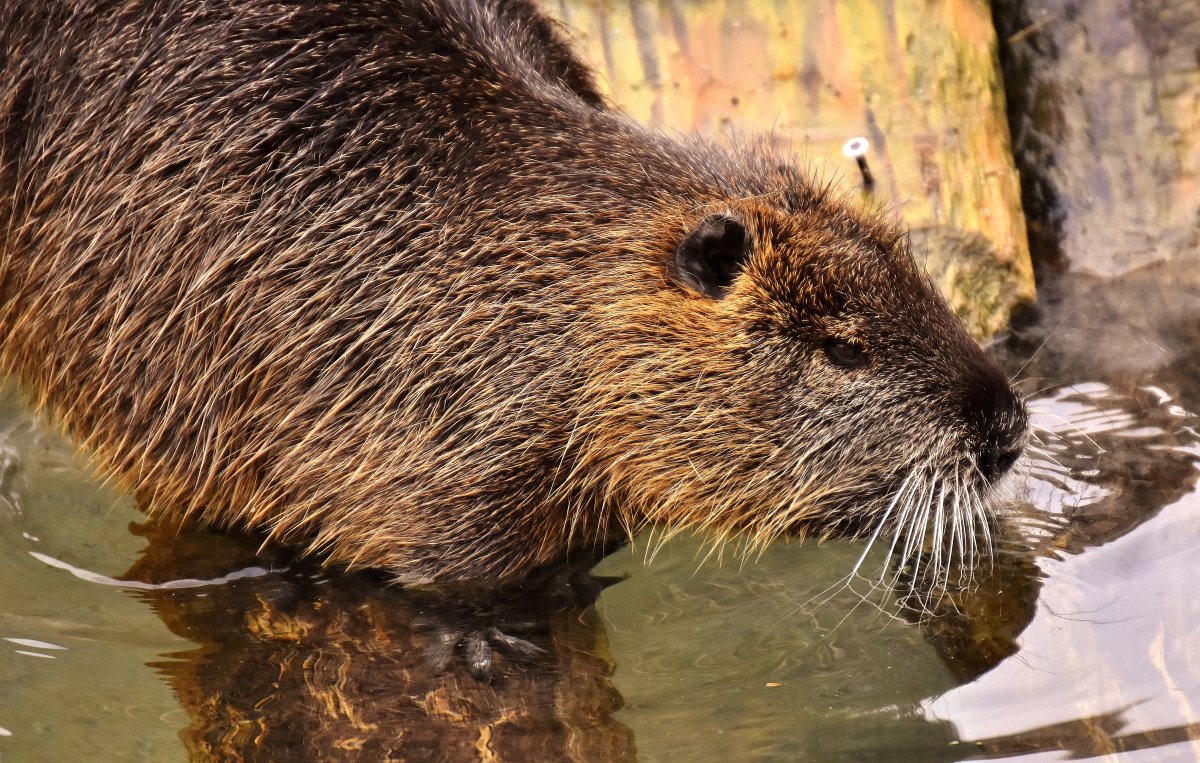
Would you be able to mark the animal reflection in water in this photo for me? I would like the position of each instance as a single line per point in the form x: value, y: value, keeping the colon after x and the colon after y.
x: 300, y: 663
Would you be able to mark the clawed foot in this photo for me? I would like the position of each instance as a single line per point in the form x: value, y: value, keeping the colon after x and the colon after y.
x: 475, y: 626
x: 477, y: 649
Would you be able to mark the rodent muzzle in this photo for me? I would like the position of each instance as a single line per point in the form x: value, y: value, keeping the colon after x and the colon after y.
x: 996, y: 461
x: 1002, y: 431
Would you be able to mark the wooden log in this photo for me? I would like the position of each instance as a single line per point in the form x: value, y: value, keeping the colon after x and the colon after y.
x: 919, y: 80
x: 1105, y: 103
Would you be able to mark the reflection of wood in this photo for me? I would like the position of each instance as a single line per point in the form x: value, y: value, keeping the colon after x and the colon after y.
x: 294, y: 667
x: 918, y: 79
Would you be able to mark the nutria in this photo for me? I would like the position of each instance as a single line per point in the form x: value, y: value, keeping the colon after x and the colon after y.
x: 389, y: 280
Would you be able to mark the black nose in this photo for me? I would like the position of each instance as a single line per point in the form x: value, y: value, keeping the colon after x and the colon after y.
x: 995, y: 461
x: 997, y: 417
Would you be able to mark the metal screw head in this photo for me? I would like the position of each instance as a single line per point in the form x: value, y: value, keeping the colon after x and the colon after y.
x: 856, y: 147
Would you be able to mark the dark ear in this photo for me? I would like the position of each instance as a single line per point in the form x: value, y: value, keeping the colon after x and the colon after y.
x: 711, y: 255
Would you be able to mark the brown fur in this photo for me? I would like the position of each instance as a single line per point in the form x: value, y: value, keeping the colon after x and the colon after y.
x: 386, y: 278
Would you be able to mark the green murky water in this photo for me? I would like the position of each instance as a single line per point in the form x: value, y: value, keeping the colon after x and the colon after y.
x: 74, y: 673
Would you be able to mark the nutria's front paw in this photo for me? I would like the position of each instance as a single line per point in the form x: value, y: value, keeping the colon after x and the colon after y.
x: 488, y: 629
x: 476, y: 649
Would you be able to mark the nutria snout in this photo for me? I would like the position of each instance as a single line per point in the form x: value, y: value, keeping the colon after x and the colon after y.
x: 996, y: 418
x: 389, y: 280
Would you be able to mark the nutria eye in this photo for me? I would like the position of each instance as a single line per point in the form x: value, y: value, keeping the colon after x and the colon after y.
x: 845, y: 353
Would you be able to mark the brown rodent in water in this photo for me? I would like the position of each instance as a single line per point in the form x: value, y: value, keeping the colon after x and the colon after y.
x: 387, y: 279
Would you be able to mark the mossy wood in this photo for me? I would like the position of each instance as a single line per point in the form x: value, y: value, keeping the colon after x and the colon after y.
x: 919, y: 80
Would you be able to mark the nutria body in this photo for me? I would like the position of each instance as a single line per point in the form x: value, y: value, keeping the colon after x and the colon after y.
x: 386, y: 278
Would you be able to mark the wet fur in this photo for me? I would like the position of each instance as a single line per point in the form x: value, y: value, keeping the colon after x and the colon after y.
x: 387, y: 279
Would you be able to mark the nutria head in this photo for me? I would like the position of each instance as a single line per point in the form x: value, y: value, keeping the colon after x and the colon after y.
x: 807, y: 377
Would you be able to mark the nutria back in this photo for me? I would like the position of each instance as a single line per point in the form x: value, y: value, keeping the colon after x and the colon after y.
x: 389, y: 280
